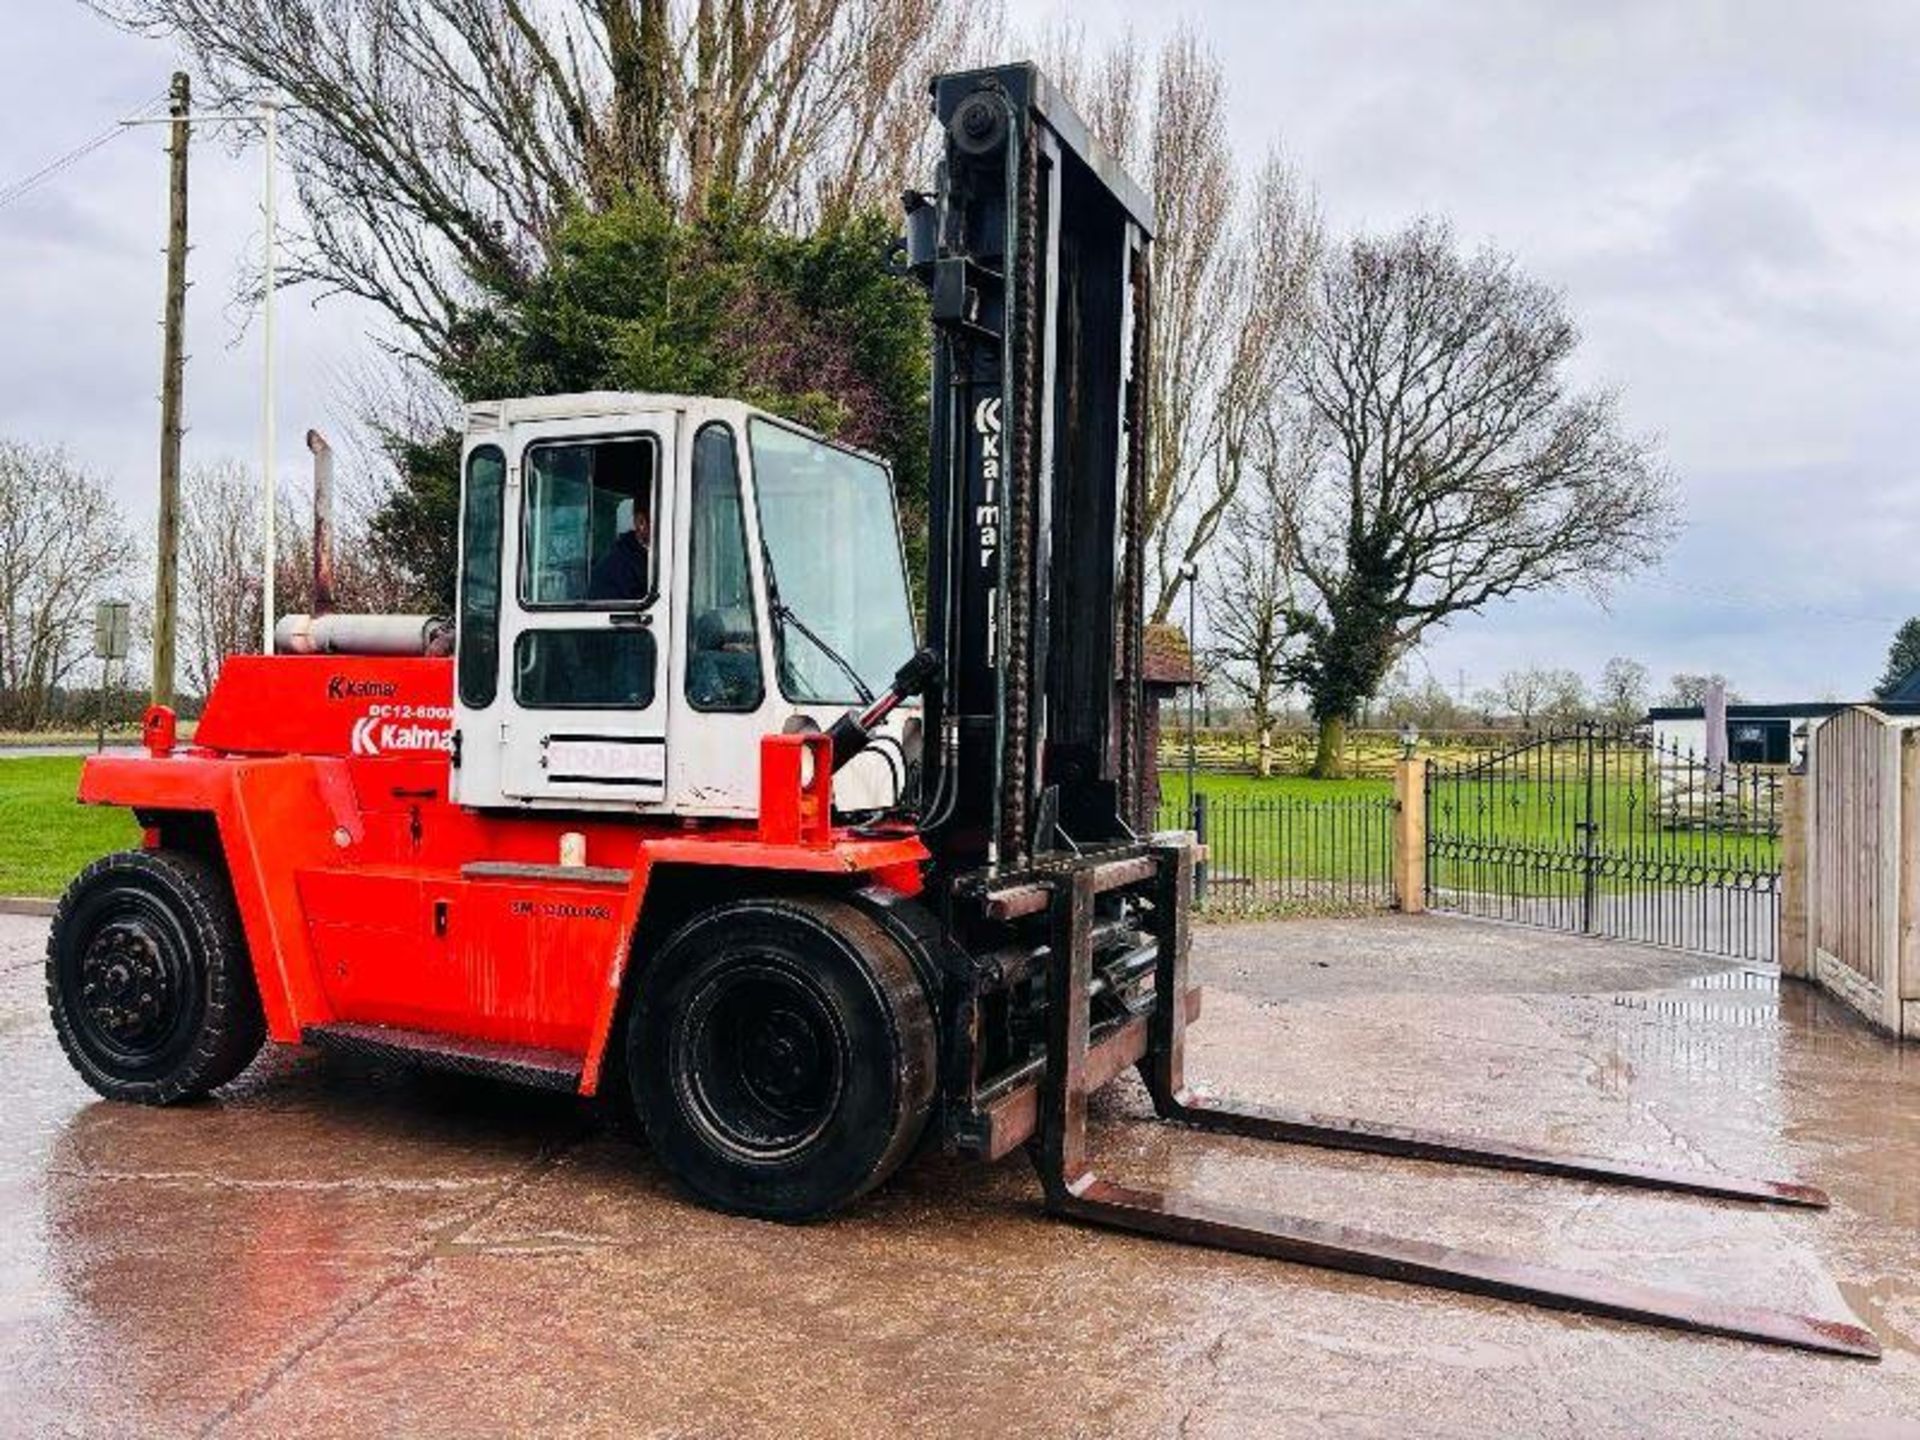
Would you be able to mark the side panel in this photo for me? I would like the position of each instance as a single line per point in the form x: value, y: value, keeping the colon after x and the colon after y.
x: 366, y: 896
x: 520, y: 963
x: 330, y: 705
x: 283, y: 816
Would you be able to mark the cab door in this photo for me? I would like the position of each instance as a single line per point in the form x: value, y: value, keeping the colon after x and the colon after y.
x: 588, y: 619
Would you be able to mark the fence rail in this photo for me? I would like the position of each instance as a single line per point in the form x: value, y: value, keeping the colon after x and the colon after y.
x: 1287, y: 853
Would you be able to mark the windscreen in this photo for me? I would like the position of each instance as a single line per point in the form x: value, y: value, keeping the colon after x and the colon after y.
x: 834, y: 566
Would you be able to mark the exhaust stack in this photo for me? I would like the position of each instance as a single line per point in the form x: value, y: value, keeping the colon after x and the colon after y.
x: 322, y: 522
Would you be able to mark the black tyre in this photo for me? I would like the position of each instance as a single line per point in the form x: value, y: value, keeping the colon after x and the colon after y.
x: 148, y: 979
x: 781, y: 1055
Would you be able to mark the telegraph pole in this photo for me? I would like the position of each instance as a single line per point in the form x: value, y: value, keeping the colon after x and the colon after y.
x: 166, y: 597
x: 269, y: 116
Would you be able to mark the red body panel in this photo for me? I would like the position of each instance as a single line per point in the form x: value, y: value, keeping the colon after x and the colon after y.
x: 329, y: 705
x: 366, y: 896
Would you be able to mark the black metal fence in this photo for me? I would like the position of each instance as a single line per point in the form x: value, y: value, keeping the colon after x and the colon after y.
x: 1609, y: 833
x: 1293, y: 854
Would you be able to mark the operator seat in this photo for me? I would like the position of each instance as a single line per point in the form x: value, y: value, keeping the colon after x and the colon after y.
x: 723, y: 670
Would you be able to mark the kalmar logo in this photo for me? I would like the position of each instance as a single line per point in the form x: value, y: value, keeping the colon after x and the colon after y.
x: 375, y: 736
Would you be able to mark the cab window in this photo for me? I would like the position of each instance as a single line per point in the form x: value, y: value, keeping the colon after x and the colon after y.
x: 587, y: 523
x: 723, y: 642
x: 479, y: 641
x: 604, y: 669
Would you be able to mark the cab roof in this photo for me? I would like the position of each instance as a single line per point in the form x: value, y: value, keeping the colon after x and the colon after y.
x: 591, y: 404
x: 483, y: 417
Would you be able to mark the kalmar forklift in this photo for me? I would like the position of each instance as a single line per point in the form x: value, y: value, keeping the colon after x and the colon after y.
x: 723, y: 843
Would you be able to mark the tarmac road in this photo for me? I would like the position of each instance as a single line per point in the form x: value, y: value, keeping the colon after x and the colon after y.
x: 336, y: 1248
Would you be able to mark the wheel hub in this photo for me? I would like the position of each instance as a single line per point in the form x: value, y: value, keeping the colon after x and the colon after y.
x: 124, y: 986
x: 780, y: 1060
x: 762, y: 1068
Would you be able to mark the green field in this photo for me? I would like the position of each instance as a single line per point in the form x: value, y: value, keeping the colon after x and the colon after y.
x: 1291, y: 844
x: 46, y: 836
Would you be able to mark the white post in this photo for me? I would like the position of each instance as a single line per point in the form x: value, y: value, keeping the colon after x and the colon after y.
x: 267, y: 112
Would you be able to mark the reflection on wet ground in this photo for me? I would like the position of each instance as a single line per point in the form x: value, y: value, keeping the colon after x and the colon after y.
x: 332, y: 1247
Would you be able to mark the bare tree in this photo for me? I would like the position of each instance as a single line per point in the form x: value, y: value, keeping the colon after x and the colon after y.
x: 1104, y: 87
x: 1265, y: 284
x: 219, y: 568
x: 1195, y: 190
x: 1232, y: 269
x: 1539, y: 694
x: 1247, y: 598
x: 437, y: 142
x: 1687, y: 690
x: 1423, y: 702
x: 1520, y: 694
x: 1621, y: 696
x: 1456, y: 464
x: 64, y: 544
x: 1567, y: 701
x: 366, y: 580
x: 220, y: 547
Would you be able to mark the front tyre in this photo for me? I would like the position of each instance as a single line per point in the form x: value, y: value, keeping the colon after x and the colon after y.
x: 781, y: 1054
x: 148, y: 980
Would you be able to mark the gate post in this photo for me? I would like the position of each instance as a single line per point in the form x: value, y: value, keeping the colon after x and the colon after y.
x: 1410, y: 834
x: 1796, y: 935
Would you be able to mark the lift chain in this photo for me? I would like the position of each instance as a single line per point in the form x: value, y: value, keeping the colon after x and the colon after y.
x: 1133, y: 803
x: 1016, y: 778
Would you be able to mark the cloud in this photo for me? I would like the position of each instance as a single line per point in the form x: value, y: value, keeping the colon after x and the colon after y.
x: 1724, y: 189
x: 82, y: 271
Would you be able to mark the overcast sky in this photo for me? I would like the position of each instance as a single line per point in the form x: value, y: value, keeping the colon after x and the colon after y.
x: 1728, y: 194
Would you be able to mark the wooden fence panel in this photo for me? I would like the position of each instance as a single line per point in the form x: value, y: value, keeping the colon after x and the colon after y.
x: 1863, y: 899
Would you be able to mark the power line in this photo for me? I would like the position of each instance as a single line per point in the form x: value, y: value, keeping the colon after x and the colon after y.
x: 55, y: 167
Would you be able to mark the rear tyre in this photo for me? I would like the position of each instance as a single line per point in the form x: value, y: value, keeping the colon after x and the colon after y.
x: 781, y: 1054
x: 148, y: 980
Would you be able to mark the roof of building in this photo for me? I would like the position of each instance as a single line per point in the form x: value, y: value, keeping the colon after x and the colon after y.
x: 1166, y: 656
x: 1792, y: 710
x: 1906, y: 691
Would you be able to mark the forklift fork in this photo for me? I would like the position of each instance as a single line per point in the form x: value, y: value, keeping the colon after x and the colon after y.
x: 1075, y: 1191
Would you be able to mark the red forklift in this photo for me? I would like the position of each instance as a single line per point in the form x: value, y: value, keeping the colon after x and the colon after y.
x: 680, y: 812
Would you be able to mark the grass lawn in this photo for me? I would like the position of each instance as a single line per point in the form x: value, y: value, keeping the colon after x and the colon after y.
x: 46, y: 836
x: 1290, y: 839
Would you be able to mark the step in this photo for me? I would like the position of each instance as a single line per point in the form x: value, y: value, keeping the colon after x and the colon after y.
x: 519, y: 1064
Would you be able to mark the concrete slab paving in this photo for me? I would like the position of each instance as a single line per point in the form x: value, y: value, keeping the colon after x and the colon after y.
x: 332, y: 1247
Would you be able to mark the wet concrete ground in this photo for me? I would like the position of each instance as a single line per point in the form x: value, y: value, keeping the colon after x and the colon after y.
x: 336, y: 1248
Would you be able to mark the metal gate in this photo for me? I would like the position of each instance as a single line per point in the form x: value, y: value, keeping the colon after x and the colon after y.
x: 1603, y: 832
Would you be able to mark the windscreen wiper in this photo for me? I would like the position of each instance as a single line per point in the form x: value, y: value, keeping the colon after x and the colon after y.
x: 783, y: 612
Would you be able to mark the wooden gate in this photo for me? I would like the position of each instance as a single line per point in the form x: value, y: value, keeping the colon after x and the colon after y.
x: 1863, y: 882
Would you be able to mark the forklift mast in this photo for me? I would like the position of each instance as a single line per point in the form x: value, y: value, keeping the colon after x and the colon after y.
x: 1034, y: 247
